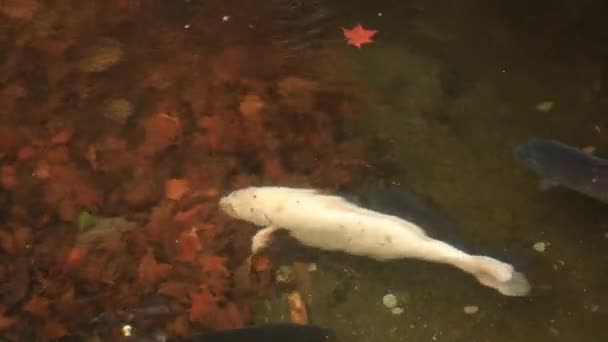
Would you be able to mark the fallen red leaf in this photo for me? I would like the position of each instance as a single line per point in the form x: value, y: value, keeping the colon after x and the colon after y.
x: 273, y: 169
x: 6, y: 323
x: 8, y: 177
x: 21, y: 237
x: 62, y: 137
x: 358, y: 36
x: 189, y: 245
x: 179, y: 326
x: 175, y: 289
x: 74, y: 257
x: 187, y: 216
x: 213, y: 264
x: 175, y: 189
x: 151, y: 272
x: 203, y: 304
x: 25, y: 152
x: 37, y: 307
x: 161, y: 132
x: 297, y: 308
x: 55, y: 330
x: 261, y: 263
x: 7, y: 242
x: 229, y: 317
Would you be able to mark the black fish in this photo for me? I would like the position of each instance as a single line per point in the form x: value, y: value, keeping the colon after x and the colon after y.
x: 561, y: 165
x: 414, y: 208
x: 270, y: 333
x: 427, y: 214
x: 301, y: 25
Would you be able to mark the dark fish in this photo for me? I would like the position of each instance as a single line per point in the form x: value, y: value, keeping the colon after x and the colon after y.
x: 561, y: 165
x: 270, y: 333
x: 301, y: 24
x: 415, y: 208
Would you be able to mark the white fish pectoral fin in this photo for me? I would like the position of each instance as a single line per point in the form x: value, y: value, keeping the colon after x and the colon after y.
x: 262, y: 239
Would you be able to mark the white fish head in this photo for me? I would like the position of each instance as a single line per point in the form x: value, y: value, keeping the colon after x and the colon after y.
x: 246, y: 204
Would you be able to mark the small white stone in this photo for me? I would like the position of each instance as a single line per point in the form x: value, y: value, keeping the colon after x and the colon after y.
x: 606, y: 235
x: 312, y: 267
x: 471, y: 309
x: 545, y: 106
x: 390, y: 301
x: 127, y: 330
x: 397, y: 310
x: 540, y: 247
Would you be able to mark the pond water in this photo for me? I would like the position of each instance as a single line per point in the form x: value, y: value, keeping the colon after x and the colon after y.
x: 123, y: 122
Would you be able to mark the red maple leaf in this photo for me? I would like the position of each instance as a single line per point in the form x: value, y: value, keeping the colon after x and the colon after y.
x: 189, y: 246
x: 37, y: 307
x: 214, y: 264
x: 6, y: 323
x: 358, y: 36
x: 150, y: 272
x: 203, y: 304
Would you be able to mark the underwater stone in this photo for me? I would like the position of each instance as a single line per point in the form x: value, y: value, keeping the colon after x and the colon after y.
x: 390, y: 301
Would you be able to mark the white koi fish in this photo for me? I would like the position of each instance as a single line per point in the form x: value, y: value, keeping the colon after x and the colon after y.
x: 332, y: 223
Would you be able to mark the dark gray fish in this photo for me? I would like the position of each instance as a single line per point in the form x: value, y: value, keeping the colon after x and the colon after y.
x: 414, y: 208
x: 561, y: 165
x: 301, y: 24
x: 270, y: 333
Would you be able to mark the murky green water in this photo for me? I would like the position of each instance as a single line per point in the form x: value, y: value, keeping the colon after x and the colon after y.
x: 440, y: 98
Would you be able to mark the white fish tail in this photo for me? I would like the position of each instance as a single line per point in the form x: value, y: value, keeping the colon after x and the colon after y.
x: 498, y: 275
x: 488, y: 271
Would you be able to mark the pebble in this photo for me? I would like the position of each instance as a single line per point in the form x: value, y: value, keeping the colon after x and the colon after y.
x: 118, y: 110
x: 545, y: 106
x: 397, y: 310
x: 390, y: 301
x: 606, y: 235
x: 471, y: 309
x: 285, y: 274
x: 540, y: 247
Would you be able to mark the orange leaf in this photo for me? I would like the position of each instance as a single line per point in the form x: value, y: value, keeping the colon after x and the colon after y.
x: 203, y: 304
x: 37, y: 307
x: 273, y: 169
x: 261, y: 263
x: 213, y: 264
x: 297, y: 308
x: 25, y: 152
x: 8, y: 178
x: 7, y: 242
x: 189, y: 245
x: 22, y: 237
x: 74, y: 257
x: 229, y: 317
x: 55, y: 330
x: 161, y: 131
x: 179, y: 327
x: 6, y: 323
x: 62, y: 137
x: 175, y: 289
x: 175, y: 189
x: 187, y: 215
x: 150, y: 272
